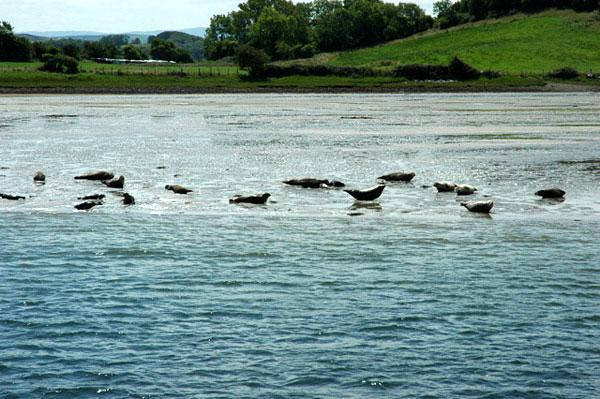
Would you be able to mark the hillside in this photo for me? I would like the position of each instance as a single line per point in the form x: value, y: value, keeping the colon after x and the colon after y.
x: 193, y: 44
x: 523, y: 43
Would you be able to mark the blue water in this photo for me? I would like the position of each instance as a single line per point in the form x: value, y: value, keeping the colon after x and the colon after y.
x: 186, y: 297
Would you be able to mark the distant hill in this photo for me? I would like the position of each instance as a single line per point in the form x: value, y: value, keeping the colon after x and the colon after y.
x: 64, y: 34
x: 32, y: 37
x: 522, y: 43
x: 95, y: 36
x: 193, y: 44
x: 195, y: 31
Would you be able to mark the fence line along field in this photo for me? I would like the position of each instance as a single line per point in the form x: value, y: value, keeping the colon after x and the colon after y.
x: 203, y: 69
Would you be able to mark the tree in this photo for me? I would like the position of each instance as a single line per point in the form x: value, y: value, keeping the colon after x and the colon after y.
x: 100, y: 50
x: 12, y: 47
x: 72, y: 50
x: 253, y: 60
x: 131, y: 52
x: 115, y: 40
x: 167, y: 51
x: 272, y: 32
x: 333, y: 29
x: 442, y: 8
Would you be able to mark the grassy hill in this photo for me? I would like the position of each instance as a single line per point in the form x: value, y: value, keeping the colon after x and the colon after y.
x: 523, y: 43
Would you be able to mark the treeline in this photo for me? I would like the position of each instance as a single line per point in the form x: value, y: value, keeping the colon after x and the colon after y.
x: 449, y: 13
x: 19, y: 49
x: 284, y: 30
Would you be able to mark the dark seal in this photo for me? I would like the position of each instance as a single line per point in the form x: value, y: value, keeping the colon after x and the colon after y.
x: 96, y: 176
x: 250, y: 199
x: 369, y: 194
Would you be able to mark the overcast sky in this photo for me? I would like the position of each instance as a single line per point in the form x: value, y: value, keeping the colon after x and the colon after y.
x: 114, y: 16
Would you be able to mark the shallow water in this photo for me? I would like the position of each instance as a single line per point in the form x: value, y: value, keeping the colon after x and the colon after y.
x: 189, y: 296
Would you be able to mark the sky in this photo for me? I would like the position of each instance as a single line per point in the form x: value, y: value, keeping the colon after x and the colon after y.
x: 118, y: 16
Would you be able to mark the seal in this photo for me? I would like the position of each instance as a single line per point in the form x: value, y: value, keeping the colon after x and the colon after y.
x: 128, y: 199
x: 405, y: 177
x: 11, y: 197
x: 369, y: 194
x: 310, y: 182
x: 117, y: 183
x: 39, y: 177
x: 250, y: 199
x: 96, y: 176
x: 94, y: 197
x: 444, y: 186
x: 177, y: 189
x: 86, y: 206
x: 478, y: 206
x: 551, y: 193
x: 465, y: 189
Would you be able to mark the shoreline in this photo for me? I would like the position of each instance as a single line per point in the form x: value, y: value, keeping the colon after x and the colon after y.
x: 548, y: 88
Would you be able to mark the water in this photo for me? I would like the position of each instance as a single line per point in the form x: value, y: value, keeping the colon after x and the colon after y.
x: 189, y: 296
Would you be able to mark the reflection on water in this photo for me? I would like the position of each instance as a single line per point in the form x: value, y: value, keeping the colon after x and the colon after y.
x: 313, y: 294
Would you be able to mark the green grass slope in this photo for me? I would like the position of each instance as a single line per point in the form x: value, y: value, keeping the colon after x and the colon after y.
x: 531, y: 44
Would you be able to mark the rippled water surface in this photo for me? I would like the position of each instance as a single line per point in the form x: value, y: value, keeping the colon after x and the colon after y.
x: 312, y: 295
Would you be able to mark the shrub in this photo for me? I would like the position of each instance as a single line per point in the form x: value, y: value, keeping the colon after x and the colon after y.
x: 490, y: 74
x: 460, y: 70
x: 277, y: 71
x: 253, y: 60
x: 59, y: 63
x: 457, y: 69
x: 564, y: 73
x: 422, y: 72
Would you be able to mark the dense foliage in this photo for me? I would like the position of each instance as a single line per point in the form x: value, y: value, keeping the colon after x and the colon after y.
x: 172, y: 48
x: 168, y: 51
x: 286, y: 30
x: 456, y: 70
x: 450, y: 13
x: 13, y: 48
x: 253, y: 60
x: 59, y: 63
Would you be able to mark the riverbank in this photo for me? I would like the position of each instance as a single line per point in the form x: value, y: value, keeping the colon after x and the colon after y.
x: 23, y: 78
x: 547, y: 88
x: 94, y: 84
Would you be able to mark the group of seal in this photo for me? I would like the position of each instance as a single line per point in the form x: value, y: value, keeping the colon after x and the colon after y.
x: 373, y: 193
x: 109, y: 181
x: 369, y: 194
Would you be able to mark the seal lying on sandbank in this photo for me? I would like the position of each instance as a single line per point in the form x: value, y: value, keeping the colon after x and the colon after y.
x: 177, y: 189
x: 128, y: 199
x: 551, y: 193
x: 444, y: 186
x: 39, y: 177
x: 96, y: 176
x: 117, y: 183
x: 369, y: 194
x: 465, y: 189
x: 86, y: 206
x: 478, y: 206
x: 250, y: 199
x: 310, y: 182
x: 398, y: 177
x: 11, y: 197
x: 95, y: 197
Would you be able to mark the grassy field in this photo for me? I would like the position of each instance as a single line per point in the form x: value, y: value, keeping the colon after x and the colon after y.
x: 205, y: 69
x: 529, y: 44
